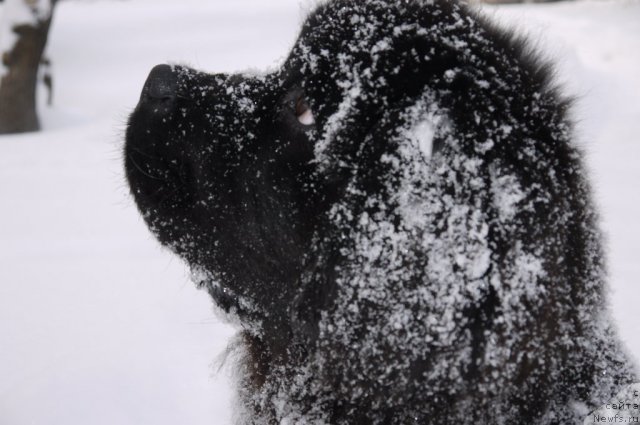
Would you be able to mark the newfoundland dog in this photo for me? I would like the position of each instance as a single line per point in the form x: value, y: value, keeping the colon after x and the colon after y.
x: 397, y: 219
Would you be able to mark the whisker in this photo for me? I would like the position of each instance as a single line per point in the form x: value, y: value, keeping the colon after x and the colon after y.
x: 133, y: 161
x: 143, y: 153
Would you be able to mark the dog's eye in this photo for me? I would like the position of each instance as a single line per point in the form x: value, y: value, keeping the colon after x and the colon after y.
x: 303, y: 112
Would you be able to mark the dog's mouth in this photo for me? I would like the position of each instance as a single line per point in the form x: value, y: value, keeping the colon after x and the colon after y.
x: 155, y: 165
x: 156, y: 182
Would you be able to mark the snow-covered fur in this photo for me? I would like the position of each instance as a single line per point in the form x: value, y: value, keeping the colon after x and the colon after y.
x: 425, y: 252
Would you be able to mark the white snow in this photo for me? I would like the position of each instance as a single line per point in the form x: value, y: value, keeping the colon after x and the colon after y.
x: 422, y: 134
x: 98, y: 325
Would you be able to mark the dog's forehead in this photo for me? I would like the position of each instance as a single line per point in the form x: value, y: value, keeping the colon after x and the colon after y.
x: 336, y: 24
x: 332, y: 37
x: 344, y: 32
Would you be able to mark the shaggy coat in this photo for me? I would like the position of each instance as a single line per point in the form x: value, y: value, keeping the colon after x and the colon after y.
x: 397, y: 218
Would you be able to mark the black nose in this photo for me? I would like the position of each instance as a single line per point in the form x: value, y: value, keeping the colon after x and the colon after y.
x: 160, y: 89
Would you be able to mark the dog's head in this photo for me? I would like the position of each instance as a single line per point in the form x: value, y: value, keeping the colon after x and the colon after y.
x: 244, y: 166
x: 388, y: 191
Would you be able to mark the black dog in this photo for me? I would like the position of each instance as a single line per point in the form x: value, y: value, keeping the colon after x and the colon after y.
x: 397, y: 218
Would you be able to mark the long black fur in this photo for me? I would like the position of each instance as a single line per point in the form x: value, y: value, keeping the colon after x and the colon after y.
x: 375, y: 282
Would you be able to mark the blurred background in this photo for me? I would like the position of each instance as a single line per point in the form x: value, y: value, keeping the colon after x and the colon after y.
x: 98, y: 324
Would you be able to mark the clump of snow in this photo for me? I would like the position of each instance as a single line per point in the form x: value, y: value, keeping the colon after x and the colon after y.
x: 338, y: 120
x: 422, y: 134
x: 507, y: 193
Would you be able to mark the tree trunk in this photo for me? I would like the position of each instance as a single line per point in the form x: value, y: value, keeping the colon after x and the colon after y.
x: 25, y: 36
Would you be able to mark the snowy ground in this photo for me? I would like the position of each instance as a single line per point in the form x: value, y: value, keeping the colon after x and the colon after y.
x: 98, y: 325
